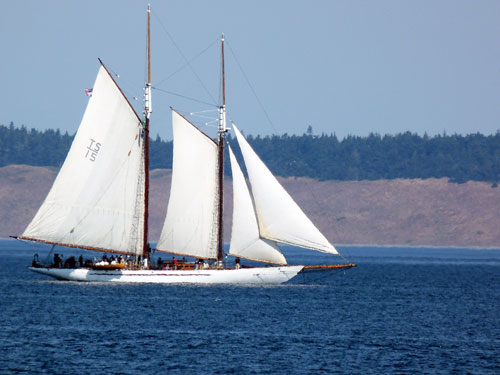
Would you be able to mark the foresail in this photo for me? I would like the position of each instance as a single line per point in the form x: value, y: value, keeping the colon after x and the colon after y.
x: 279, y: 217
x: 245, y: 239
x: 97, y: 199
x: 190, y: 227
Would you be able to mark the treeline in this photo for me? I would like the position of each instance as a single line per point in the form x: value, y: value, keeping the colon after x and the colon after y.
x: 50, y: 147
x: 325, y: 157
x: 33, y: 147
x: 406, y: 155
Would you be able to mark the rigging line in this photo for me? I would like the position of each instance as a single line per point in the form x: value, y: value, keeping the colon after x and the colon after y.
x: 185, y: 65
x: 183, y: 96
x: 204, y: 111
x: 185, y: 112
x: 205, y: 117
x: 207, y: 124
x: 130, y: 96
x: 251, y: 88
x: 123, y: 82
x: 343, y: 257
x: 47, y: 260
x: 184, y: 57
x: 199, y: 114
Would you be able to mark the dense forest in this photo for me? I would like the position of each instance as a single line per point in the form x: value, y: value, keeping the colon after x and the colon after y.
x: 324, y: 157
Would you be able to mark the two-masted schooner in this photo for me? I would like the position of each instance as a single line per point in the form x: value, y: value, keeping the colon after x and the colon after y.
x: 99, y: 201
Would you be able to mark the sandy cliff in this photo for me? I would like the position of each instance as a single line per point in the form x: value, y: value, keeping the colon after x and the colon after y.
x: 395, y: 212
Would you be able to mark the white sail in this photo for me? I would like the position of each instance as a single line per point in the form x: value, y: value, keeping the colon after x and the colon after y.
x: 97, y: 200
x: 190, y: 227
x: 245, y: 239
x: 280, y: 218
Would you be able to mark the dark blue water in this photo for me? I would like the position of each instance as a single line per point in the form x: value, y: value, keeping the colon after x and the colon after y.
x: 401, y: 311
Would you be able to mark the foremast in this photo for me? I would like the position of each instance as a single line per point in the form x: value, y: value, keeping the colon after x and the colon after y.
x: 221, y: 139
x: 146, y: 114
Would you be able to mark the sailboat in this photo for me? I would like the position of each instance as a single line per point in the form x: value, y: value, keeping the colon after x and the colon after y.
x: 100, y: 197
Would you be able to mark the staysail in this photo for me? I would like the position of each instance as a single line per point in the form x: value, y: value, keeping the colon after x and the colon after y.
x: 97, y: 200
x: 280, y: 219
x: 245, y: 239
x: 190, y: 227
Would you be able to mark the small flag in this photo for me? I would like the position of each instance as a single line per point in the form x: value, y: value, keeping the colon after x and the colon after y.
x: 88, y: 92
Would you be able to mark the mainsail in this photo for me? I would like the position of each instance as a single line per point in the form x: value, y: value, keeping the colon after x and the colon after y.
x: 97, y: 200
x: 245, y: 239
x: 280, y: 219
x: 190, y: 227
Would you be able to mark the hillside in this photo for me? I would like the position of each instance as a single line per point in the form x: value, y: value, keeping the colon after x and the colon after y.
x: 414, y: 212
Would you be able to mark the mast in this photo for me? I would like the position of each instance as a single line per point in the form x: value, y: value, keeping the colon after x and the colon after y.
x: 221, y: 133
x: 147, y: 113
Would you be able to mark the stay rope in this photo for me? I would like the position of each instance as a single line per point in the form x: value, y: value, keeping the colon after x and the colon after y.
x: 187, y: 62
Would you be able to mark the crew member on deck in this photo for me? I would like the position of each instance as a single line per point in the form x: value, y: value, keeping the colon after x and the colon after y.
x: 35, y: 261
x: 57, y: 260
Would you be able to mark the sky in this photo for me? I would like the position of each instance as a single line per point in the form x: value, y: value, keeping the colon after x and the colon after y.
x: 344, y: 67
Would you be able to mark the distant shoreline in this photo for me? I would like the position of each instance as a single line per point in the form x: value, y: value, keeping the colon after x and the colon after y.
x: 451, y: 247
x: 401, y: 213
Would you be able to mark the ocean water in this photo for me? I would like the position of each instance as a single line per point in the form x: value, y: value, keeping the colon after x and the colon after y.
x: 401, y: 311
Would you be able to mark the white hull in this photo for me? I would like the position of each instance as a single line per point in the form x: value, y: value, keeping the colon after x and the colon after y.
x: 257, y: 275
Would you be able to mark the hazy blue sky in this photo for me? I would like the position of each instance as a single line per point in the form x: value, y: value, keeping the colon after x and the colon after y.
x: 349, y: 67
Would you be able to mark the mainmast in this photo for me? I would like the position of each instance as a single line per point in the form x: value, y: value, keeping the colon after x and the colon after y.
x: 146, y: 113
x: 221, y: 133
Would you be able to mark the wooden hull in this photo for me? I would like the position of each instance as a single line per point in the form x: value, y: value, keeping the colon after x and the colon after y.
x: 257, y: 275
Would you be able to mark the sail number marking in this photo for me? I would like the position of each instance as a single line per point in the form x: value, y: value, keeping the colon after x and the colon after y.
x: 92, y: 150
